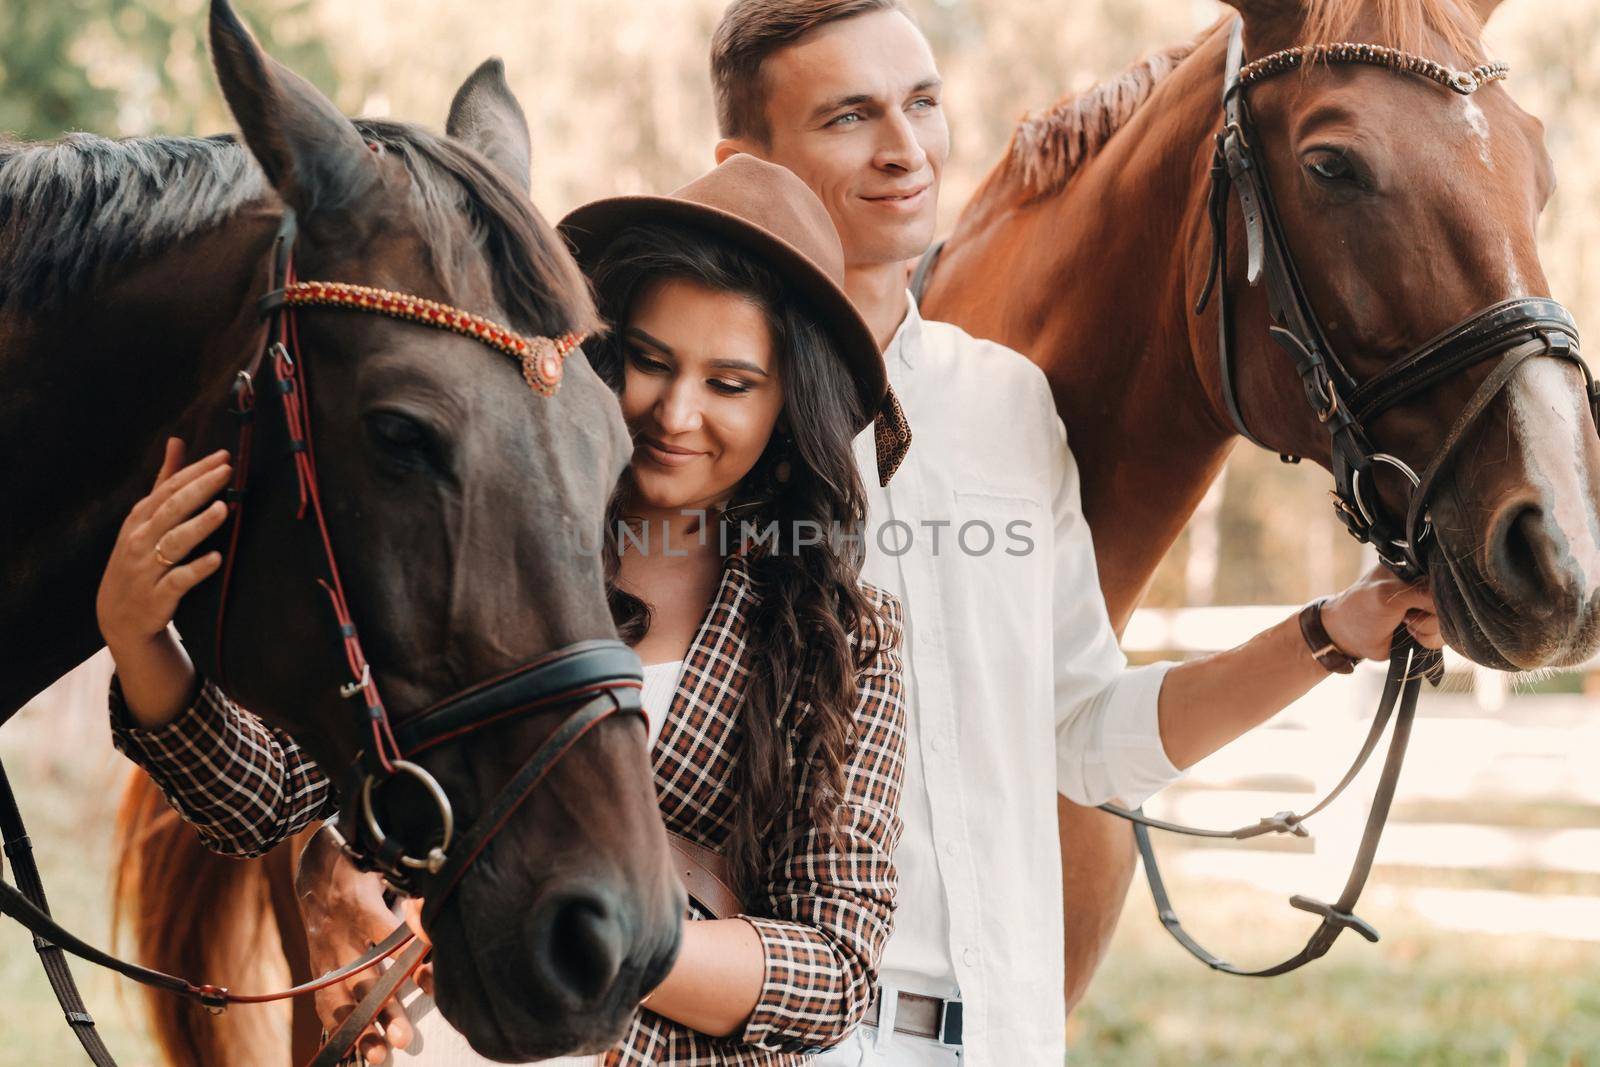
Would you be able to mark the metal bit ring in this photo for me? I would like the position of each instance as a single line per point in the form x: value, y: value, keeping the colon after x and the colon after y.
x: 434, y: 861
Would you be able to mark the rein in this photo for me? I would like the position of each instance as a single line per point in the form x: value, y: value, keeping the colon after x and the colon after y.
x: 601, y: 676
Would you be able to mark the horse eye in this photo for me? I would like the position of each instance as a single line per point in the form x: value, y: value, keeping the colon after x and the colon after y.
x: 1331, y: 167
x: 399, y: 435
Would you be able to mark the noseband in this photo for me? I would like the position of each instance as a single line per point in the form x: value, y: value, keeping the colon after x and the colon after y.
x: 602, y: 676
x: 1510, y: 332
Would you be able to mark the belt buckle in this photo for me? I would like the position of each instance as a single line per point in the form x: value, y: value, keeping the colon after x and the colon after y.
x: 950, y: 1023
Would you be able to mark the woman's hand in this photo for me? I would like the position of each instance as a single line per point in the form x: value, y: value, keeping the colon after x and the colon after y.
x: 1362, y: 619
x: 149, y: 572
x: 345, y: 915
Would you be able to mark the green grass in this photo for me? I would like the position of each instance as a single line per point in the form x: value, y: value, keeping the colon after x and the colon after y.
x: 1419, y: 997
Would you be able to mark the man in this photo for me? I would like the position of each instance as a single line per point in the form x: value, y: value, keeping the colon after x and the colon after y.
x: 1016, y: 687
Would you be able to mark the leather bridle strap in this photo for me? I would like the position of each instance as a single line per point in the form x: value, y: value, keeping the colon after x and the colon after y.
x: 565, y: 675
x: 14, y: 903
x: 1510, y: 362
x: 337, y: 1046
x: 924, y: 271
x: 19, y: 850
x: 521, y: 786
x: 1408, y: 665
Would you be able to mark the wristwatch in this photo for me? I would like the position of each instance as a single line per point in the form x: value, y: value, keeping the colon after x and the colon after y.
x: 1323, y: 649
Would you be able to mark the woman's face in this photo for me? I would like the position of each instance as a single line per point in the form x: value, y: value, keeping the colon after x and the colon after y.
x: 701, y: 392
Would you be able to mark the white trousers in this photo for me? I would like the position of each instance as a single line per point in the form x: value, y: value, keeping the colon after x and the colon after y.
x: 865, y: 1049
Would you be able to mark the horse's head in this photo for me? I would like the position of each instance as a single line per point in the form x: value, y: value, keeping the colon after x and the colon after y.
x: 459, y: 503
x: 1407, y: 206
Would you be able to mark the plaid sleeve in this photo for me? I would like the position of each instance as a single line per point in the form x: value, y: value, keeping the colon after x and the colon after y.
x: 243, y: 785
x: 827, y: 909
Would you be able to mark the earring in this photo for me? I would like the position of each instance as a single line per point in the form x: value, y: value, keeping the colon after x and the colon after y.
x: 782, y: 470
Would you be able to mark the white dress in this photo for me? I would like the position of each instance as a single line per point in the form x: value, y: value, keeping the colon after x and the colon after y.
x: 438, y: 1045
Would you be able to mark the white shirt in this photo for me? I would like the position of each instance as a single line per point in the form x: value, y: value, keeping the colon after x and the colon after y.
x: 1016, y: 688
x: 660, y: 683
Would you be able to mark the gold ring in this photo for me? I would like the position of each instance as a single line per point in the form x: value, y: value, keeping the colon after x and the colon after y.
x: 162, y: 559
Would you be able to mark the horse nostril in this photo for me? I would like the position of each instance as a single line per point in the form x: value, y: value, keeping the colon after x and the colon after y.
x: 578, y: 946
x: 1524, y: 560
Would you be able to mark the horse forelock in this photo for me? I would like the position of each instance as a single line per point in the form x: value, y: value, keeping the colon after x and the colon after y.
x: 76, y: 209
x: 537, y: 282
x: 1409, y: 25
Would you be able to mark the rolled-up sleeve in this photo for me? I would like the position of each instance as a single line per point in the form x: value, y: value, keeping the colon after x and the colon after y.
x: 244, y: 786
x: 1108, y: 736
x: 827, y: 910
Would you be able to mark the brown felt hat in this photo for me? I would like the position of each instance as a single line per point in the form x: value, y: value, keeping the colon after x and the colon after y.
x: 767, y: 209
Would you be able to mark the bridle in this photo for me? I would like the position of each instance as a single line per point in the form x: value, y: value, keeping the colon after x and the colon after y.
x: 1510, y: 333
x: 601, y: 676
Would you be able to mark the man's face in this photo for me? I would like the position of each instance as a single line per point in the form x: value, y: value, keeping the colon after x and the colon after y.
x: 854, y: 111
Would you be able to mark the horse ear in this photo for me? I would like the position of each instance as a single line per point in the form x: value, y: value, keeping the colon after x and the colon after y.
x: 1262, y: 9
x: 310, y: 152
x: 485, y: 114
x: 1483, y: 9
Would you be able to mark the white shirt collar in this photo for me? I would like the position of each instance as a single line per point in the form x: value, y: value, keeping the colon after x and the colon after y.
x: 907, y: 340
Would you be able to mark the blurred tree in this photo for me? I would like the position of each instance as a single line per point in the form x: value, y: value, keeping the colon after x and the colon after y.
x: 123, y: 67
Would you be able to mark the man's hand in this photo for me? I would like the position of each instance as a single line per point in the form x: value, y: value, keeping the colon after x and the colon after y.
x: 345, y: 915
x: 1362, y: 619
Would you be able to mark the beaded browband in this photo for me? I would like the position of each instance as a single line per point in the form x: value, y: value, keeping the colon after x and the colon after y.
x: 1464, y: 82
x: 541, y: 358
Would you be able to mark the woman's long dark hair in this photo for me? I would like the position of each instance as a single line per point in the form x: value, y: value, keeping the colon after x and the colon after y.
x: 808, y: 602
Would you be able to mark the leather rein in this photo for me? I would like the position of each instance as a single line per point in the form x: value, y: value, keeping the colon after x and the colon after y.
x: 601, y: 676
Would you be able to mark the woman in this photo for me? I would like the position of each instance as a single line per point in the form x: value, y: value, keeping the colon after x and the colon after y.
x: 744, y: 375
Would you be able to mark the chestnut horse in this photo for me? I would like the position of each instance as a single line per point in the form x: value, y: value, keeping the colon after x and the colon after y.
x: 130, y: 274
x: 1407, y: 208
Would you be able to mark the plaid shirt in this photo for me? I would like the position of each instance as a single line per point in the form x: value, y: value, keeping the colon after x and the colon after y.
x: 823, y: 914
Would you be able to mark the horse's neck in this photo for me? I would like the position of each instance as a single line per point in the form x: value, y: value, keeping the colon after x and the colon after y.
x: 87, y: 398
x: 1094, y: 285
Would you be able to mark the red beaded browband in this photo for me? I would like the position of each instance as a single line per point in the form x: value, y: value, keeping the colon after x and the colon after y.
x: 541, y: 358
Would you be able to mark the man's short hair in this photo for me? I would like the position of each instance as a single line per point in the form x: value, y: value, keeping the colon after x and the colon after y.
x: 750, y: 31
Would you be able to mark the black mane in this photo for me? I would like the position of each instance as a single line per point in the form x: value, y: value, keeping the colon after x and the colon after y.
x: 75, y: 209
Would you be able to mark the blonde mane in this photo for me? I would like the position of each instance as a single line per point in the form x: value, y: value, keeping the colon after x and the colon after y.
x: 1049, y: 146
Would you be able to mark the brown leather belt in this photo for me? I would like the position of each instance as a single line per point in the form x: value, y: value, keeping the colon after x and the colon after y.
x: 918, y: 1016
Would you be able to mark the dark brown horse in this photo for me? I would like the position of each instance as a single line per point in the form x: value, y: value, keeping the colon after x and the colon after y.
x: 1407, y: 209
x: 129, y: 279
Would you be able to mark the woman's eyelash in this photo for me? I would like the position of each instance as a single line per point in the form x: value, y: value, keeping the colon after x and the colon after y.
x: 648, y: 362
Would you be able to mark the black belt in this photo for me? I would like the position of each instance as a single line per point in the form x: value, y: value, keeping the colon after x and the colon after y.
x: 920, y: 1016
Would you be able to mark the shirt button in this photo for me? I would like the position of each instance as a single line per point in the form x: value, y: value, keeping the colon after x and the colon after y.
x: 970, y: 957
x: 937, y: 744
x: 950, y: 848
